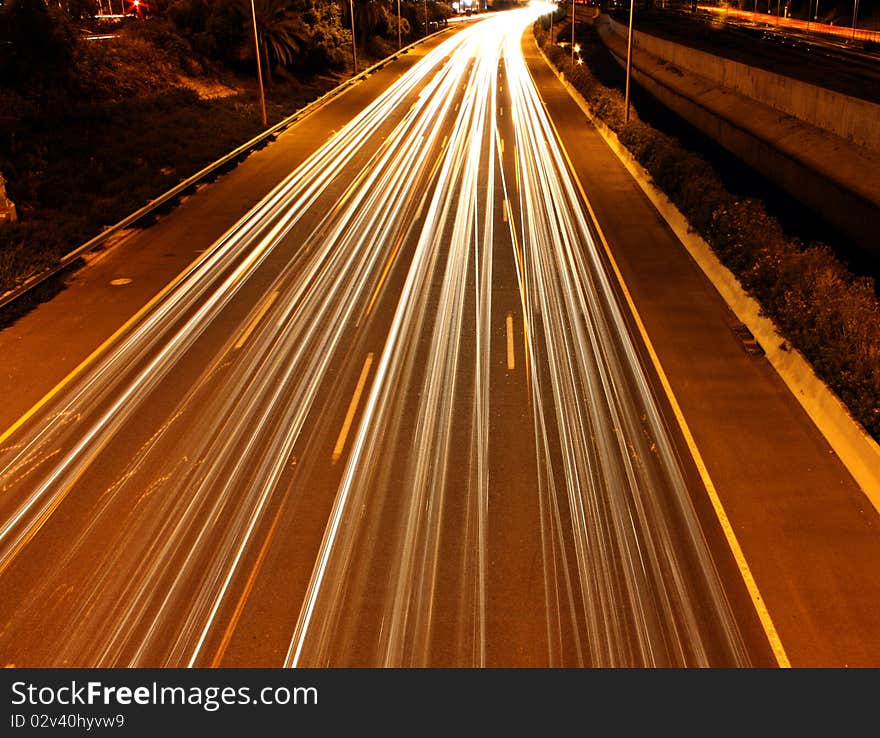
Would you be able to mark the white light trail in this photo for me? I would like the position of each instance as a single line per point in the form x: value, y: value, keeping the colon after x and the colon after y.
x: 355, y: 315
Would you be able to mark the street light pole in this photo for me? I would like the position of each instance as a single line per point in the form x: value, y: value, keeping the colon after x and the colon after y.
x: 629, y: 48
x: 572, y: 34
x: 259, y: 66
x: 399, y: 45
x: 855, y: 15
x: 354, y: 56
x: 426, y: 17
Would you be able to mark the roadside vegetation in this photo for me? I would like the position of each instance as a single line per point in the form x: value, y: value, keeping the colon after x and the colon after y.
x: 92, y: 129
x: 821, y: 308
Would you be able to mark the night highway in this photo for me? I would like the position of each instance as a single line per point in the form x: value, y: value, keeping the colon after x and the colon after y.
x: 399, y: 415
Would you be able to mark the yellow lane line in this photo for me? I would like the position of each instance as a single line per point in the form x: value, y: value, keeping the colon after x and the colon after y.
x: 507, y: 217
x: 732, y: 541
x: 255, y: 321
x: 98, y: 351
x: 429, y: 178
x: 245, y: 593
x: 384, y: 276
x: 352, y: 409
x: 511, y: 358
x: 516, y: 167
x: 526, y: 355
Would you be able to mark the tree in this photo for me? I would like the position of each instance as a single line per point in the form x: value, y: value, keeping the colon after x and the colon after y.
x: 328, y: 42
x: 369, y: 16
x: 281, y: 30
x: 36, y: 41
x: 303, y: 34
x: 80, y: 9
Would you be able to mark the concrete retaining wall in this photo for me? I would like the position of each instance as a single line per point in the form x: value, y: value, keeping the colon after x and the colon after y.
x: 845, y: 116
x: 837, y: 205
x: 856, y: 449
x: 830, y: 175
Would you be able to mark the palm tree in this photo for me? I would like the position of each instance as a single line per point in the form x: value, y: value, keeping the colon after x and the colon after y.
x: 367, y: 15
x: 281, y: 31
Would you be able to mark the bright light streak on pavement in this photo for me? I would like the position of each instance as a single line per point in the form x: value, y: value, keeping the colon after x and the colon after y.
x: 395, y: 416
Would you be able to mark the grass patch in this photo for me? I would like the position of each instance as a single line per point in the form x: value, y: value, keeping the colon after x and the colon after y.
x: 74, y: 172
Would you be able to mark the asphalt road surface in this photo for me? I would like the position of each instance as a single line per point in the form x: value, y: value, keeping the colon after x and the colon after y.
x: 398, y: 415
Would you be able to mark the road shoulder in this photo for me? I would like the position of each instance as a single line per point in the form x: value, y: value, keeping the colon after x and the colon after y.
x: 806, y: 528
x: 41, y: 348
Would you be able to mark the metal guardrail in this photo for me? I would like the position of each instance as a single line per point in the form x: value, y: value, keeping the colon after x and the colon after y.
x: 65, y: 261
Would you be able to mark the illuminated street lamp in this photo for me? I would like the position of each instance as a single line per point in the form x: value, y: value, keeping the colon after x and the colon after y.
x: 259, y: 66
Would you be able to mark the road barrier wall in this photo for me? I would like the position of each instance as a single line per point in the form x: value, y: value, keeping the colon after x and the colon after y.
x: 848, y: 117
x: 835, y: 177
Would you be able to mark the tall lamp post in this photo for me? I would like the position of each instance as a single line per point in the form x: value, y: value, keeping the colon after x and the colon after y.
x: 354, y: 56
x: 259, y: 66
x: 855, y: 15
x: 629, y: 48
x: 399, y: 45
x: 572, y: 34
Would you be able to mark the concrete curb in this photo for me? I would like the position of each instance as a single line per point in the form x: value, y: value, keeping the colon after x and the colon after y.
x: 859, y: 452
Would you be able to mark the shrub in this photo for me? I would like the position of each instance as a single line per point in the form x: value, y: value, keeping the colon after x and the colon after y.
x: 439, y: 11
x: 377, y: 47
x: 27, y: 247
x: 36, y: 41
